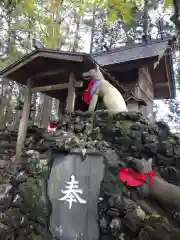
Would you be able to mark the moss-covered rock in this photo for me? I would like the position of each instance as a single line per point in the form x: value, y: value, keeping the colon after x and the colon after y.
x: 27, y: 213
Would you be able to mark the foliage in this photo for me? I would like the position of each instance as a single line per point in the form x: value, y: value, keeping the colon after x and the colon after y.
x: 168, y: 3
x: 141, y: 28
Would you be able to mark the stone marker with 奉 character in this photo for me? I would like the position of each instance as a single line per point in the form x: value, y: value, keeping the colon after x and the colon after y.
x: 73, y: 189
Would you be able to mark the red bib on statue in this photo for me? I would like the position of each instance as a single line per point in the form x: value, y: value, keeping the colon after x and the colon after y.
x: 87, y: 93
x: 134, y: 179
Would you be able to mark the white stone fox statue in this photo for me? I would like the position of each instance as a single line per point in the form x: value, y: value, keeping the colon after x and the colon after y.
x: 112, y: 98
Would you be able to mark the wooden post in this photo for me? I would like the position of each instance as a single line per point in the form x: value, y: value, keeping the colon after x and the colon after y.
x: 71, y: 93
x: 24, y: 121
x: 55, y: 87
x: 46, y: 111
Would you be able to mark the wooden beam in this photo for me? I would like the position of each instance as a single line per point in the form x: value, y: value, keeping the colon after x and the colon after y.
x: 62, y: 55
x: 71, y: 93
x: 161, y: 84
x: 146, y: 74
x: 55, y: 87
x: 48, y: 73
x: 126, y: 66
x: 168, y: 76
x: 155, y: 64
x: 24, y: 122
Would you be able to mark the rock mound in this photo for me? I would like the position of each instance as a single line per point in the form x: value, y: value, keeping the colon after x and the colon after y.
x: 24, y: 204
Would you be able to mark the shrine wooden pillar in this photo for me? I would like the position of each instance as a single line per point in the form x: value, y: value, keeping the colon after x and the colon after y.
x: 71, y: 93
x: 24, y: 121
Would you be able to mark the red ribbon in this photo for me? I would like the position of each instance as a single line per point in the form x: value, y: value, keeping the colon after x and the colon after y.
x: 134, y: 179
x: 52, y: 124
x: 87, y: 93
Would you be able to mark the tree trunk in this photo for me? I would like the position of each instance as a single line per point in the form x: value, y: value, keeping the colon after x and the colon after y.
x: 54, y: 112
x: 39, y: 110
x: 93, y: 26
x: 145, y: 20
x: 76, y: 37
x: 61, y: 109
x: 46, y: 111
x: 33, y: 113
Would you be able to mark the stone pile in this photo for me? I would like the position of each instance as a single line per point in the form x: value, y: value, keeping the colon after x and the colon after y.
x: 24, y: 204
x: 23, y: 201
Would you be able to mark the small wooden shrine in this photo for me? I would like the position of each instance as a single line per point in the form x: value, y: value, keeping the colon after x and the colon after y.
x: 133, y: 102
x: 146, y: 70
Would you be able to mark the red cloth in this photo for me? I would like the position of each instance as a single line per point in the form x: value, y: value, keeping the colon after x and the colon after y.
x: 87, y: 93
x: 134, y: 179
x: 52, y: 124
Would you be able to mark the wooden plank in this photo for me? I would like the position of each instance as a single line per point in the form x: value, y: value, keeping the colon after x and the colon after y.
x: 55, y: 87
x: 145, y: 72
x: 50, y: 88
x: 48, y: 73
x: 24, y: 122
x: 145, y: 83
x: 161, y: 84
x: 168, y: 77
x: 63, y: 56
x: 126, y: 66
x: 71, y: 93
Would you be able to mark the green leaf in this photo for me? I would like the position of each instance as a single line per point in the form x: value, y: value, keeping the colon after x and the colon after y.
x: 119, y: 6
x: 168, y: 3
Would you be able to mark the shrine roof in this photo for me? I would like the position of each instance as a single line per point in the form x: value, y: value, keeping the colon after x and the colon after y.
x: 133, y: 53
x: 42, y: 60
x: 50, y: 67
